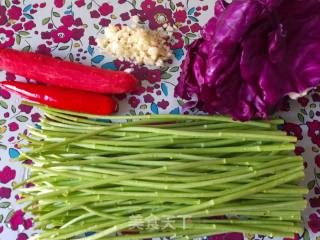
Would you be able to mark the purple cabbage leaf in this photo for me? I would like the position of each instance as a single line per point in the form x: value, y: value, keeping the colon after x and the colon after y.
x: 251, y: 55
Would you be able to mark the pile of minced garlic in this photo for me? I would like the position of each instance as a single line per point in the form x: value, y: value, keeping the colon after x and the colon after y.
x: 136, y: 44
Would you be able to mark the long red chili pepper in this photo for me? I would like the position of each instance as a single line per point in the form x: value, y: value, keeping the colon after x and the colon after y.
x: 61, y: 73
x: 63, y: 98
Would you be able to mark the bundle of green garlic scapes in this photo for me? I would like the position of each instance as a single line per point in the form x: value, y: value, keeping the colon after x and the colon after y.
x: 178, y: 176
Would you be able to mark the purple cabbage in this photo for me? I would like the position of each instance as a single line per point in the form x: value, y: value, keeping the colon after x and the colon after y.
x: 252, y: 54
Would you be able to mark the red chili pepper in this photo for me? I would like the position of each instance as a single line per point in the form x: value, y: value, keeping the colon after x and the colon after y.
x: 61, y: 73
x: 63, y: 98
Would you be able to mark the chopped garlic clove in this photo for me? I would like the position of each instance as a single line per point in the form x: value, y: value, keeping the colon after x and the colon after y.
x: 142, y: 46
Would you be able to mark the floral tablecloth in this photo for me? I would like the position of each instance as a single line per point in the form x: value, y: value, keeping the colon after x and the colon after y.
x: 68, y: 29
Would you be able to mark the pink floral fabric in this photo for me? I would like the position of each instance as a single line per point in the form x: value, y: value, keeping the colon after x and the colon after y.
x: 68, y: 29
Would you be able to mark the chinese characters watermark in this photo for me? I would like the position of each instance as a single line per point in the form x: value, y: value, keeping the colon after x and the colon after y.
x: 155, y: 223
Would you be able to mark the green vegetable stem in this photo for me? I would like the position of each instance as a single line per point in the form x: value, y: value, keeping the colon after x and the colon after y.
x: 178, y: 176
